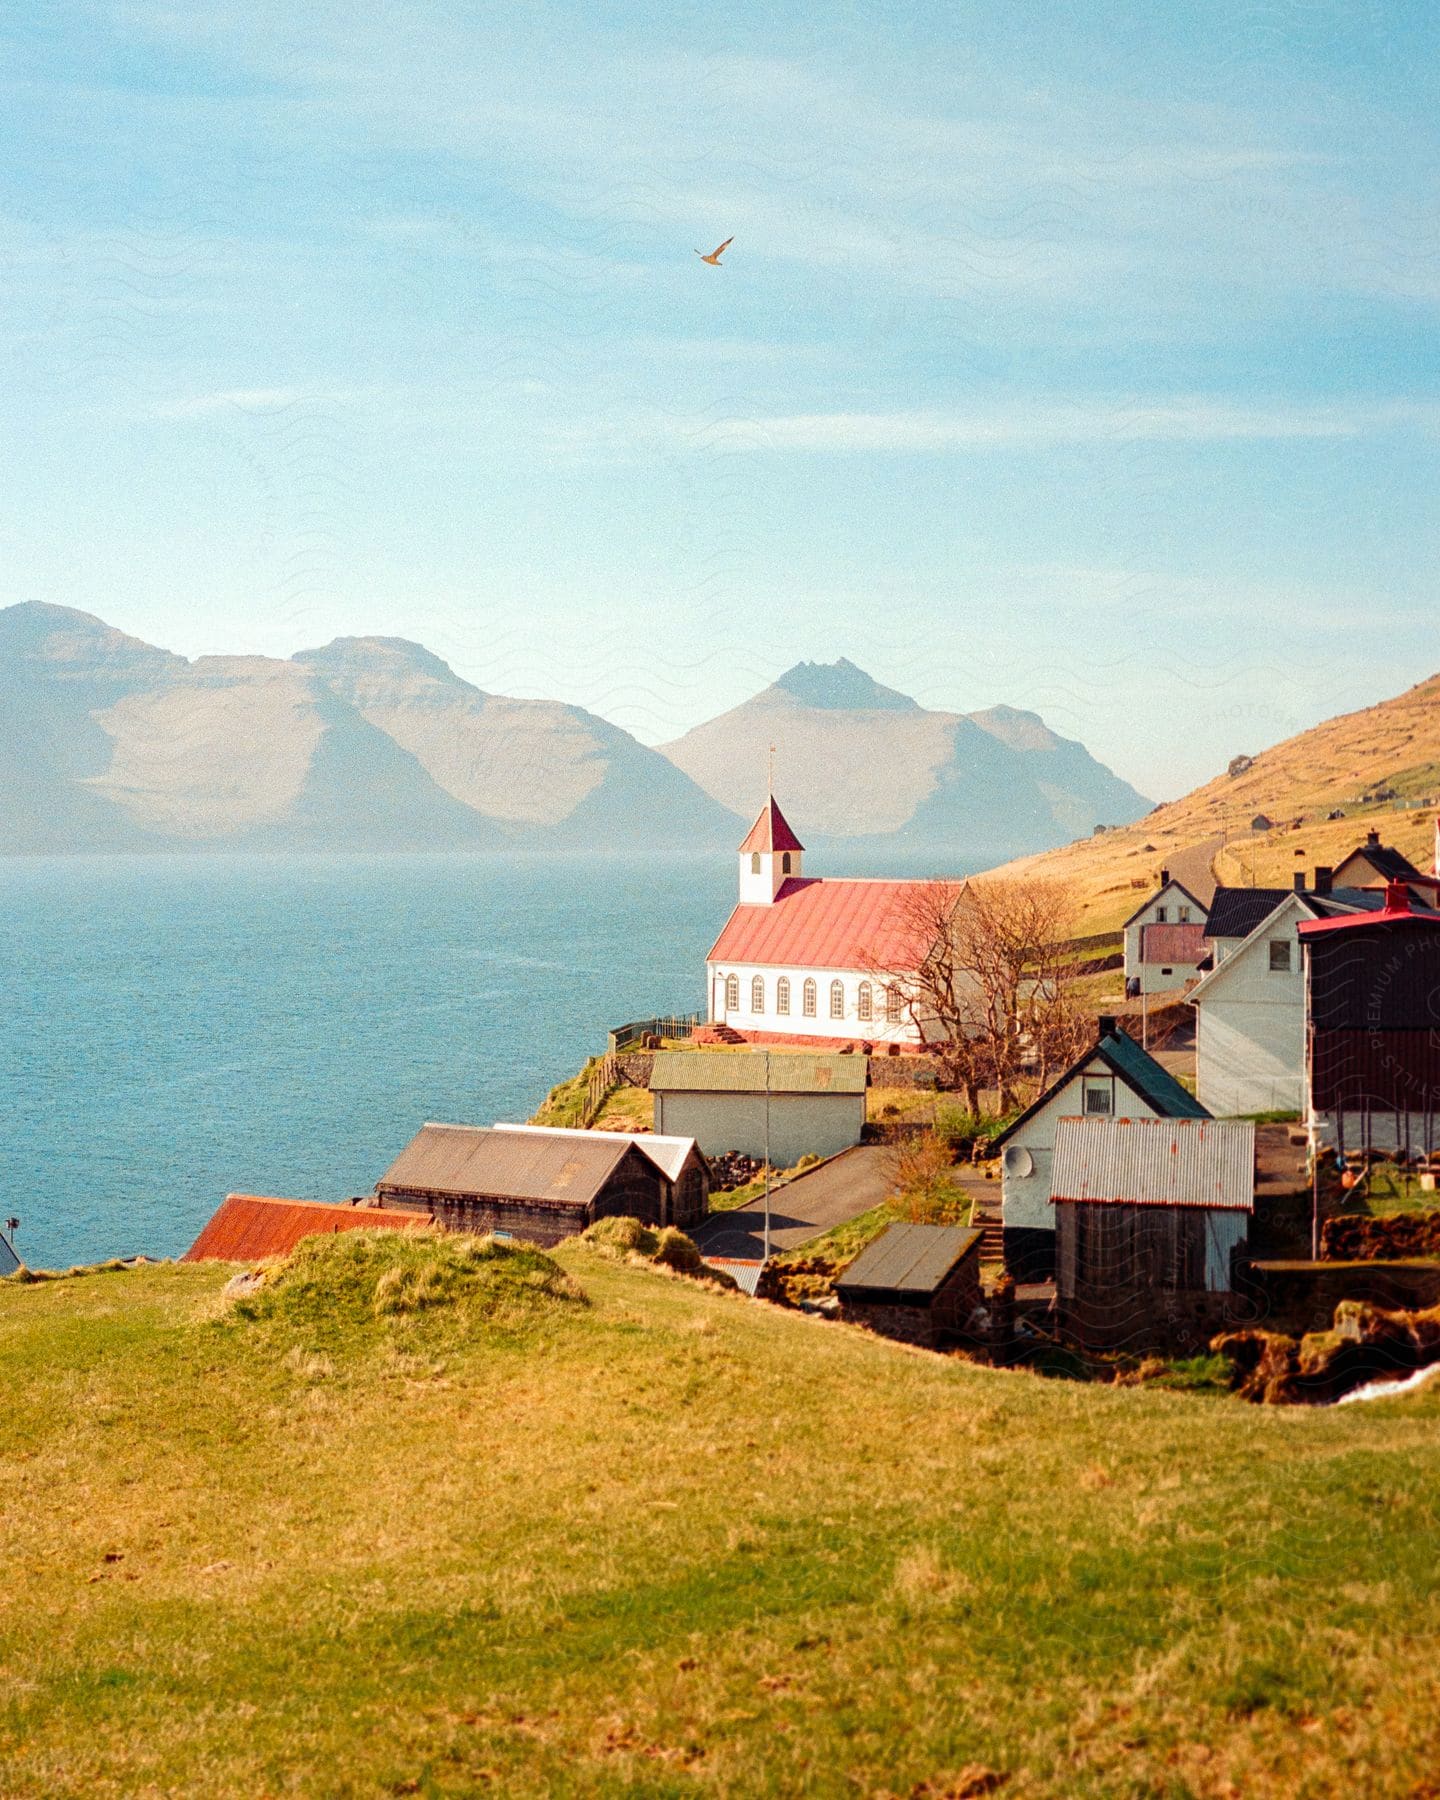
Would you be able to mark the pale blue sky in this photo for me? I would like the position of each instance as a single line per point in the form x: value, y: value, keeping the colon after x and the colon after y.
x: 1082, y: 364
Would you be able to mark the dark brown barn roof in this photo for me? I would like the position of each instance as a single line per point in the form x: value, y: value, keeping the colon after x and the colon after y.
x: 248, y: 1227
x: 558, y: 1170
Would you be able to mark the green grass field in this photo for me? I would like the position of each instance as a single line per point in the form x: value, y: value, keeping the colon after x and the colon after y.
x: 443, y: 1522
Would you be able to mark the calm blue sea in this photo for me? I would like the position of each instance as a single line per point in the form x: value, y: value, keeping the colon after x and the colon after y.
x: 176, y: 1028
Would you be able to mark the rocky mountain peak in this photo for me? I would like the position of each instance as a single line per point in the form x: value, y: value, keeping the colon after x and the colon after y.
x: 842, y: 687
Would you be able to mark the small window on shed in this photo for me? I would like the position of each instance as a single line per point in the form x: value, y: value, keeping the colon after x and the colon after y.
x: 757, y: 993
x: 808, y: 999
x: 837, y: 999
x: 865, y: 1002
x: 732, y: 993
x: 782, y: 994
x: 1099, y: 1096
x: 1280, y: 954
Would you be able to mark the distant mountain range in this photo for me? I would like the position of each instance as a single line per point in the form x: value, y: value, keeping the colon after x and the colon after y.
x: 107, y: 743
x: 858, y: 760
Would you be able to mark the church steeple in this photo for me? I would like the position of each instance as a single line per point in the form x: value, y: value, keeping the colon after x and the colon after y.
x: 770, y: 856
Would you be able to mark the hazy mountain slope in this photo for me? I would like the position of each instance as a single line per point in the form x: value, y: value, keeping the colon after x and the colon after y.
x: 855, y: 759
x: 370, y: 744
x: 535, y: 765
x: 1296, y: 784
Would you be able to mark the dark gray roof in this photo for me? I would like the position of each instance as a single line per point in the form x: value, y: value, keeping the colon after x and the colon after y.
x: 9, y: 1261
x: 1236, y: 911
x: 912, y: 1260
x: 1164, y: 888
x: 744, y: 1072
x: 560, y: 1169
x: 1393, y: 864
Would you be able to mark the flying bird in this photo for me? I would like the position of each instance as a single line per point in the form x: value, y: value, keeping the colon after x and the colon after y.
x: 714, y: 257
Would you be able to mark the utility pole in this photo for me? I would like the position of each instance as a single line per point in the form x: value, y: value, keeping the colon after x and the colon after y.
x: 766, y: 1257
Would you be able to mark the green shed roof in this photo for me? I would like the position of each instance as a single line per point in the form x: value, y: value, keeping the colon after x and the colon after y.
x: 745, y: 1072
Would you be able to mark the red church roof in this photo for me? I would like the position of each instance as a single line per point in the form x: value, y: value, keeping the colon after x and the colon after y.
x: 814, y: 924
x: 771, y: 831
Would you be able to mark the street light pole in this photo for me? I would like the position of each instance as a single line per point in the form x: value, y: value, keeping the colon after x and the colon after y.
x: 766, y: 1257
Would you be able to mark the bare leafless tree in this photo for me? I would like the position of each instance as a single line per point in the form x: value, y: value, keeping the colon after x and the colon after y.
x: 986, y: 975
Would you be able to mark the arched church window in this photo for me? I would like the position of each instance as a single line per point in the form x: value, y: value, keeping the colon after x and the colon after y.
x: 755, y: 863
x: 808, y: 999
x: 785, y: 863
x: 757, y: 993
x: 892, y: 1005
x: 865, y: 1002
x: 782, y: 994
x: 837, y: 999
x: 732, y: 993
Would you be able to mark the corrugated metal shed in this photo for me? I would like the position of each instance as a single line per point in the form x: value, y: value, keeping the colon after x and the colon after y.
x: 908, y: 1260
x: 826, y: 924
x: 1155, y: 1162
x: 249, y: 1227
x: 669, y: 1154
x: 512, y: 1165
x: 743, y: 1072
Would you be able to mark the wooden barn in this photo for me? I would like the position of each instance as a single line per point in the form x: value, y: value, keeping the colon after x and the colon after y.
x: 539, y: 1185
x: 1151, y: 1218
x: 1372, y: 1029
x: 919, y: 1283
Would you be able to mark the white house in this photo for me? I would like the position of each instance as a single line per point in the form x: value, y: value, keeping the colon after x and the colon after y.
x: 1164, y: 939
x: 1114, y: 1080
x: 799, y: 955
x: 1250, y: 1008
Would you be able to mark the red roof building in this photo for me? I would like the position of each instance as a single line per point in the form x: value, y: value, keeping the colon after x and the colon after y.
x: 250, y: 1227
x: 802, y: 958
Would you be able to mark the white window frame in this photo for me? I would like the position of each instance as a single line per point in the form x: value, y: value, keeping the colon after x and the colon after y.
x: 782, y: 996
x: 810, y: 1000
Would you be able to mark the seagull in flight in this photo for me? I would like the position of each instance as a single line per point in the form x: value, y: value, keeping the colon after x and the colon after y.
x: 714, y: 257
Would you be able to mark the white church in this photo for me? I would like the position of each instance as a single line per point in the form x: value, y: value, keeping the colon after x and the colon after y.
x: 798, y: 956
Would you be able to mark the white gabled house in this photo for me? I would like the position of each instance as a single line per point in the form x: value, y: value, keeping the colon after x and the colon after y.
x: 1115, y: 1079
x: 1164, y: 939
x: 1250, y: 1012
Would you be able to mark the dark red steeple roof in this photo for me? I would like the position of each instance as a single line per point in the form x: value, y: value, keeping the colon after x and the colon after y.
x: 771, y: 831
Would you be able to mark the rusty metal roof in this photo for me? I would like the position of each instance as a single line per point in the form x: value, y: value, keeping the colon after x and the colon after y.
x: 744, y: 1072
x: 249, y: 1227
x: 555, y: 1168
x: 826, y: 924
x: 1155, y: 1162
x: 912, y: 1260
x: 1172, y: 943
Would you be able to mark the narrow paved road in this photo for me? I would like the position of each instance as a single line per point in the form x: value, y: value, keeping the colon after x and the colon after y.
x: 844, y: 1188
x: 1194, y: 867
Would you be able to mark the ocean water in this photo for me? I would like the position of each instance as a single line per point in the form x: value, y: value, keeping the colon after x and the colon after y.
x: 176, y: 1028
x: 173, y: 1029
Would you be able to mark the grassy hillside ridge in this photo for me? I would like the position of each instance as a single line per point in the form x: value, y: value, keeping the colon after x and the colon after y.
x: 1394, y: 744
x: 673, y: 1542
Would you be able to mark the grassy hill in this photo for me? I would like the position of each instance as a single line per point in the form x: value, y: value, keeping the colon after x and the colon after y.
x: 1395, y: 744
x: 475, y: 1527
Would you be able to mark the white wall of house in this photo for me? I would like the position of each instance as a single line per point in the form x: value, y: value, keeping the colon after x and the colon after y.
x: 1170, y: 906
x: 1157, y: 978
x: 1250, y: 1023
x: 744, y: 1015
x: 1025, y: 1194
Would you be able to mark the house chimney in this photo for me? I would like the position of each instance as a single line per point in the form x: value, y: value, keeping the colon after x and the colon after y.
x: 1324, y: 879
x: 1299, y: 881
x: 1372, y: 838
x: 1105, y: 1024
x: 1164, y: 878
x: 1397, y: 897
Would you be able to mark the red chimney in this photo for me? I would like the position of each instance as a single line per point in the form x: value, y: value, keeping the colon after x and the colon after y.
x: 1397, y: 897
